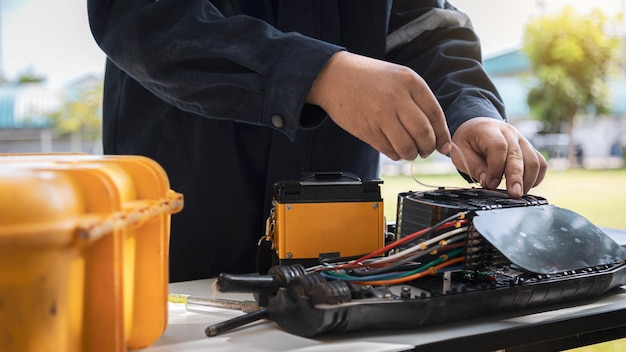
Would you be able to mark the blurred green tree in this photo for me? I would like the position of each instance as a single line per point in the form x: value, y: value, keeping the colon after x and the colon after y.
x: 81, y: 115
x: 571, y: 58
x: 29, y: 76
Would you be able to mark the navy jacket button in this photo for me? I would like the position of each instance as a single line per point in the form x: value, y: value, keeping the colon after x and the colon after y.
x: 278, y: 121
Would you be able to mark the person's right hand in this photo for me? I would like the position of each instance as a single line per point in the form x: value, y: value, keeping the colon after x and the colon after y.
x: 386, y: 105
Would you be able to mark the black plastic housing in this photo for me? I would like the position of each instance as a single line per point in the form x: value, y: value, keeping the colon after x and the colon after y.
x: 494, y: 276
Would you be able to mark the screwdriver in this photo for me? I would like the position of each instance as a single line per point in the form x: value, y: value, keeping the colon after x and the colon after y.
x: 201, y: 303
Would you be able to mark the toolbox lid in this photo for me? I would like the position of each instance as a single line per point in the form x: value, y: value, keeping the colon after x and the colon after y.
x: 328, y: 187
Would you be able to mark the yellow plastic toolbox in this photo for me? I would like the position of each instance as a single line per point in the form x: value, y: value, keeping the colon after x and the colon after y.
x: 83, y: 252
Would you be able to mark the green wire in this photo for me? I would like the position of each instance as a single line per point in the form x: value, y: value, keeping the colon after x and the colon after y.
x: 382, y: 277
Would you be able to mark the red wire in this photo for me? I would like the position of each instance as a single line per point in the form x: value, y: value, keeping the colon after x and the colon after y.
x: 382, y: 265
x: 404, y: 240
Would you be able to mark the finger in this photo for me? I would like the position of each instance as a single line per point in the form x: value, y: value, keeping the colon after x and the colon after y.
x: 383, y: 145
x: 428, y: 104
x: 400, y: 140
x: 514, y: 167
x: 418, y: 128
x: 532, y: 165
x: 534, y: 170
x: 463, y: 156
x: 496, y: 152
x: 543, y: 168
x: 392, y: 155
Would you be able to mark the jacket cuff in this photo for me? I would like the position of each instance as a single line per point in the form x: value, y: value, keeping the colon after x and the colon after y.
x: 465, y: 108
x: 290, y: 83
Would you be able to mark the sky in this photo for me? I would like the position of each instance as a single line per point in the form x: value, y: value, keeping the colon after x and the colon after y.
x: 52, y: 38
x: 48, y: 38
x: 500, y: 23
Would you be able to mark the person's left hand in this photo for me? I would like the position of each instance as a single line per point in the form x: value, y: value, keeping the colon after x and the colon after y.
x: 494, y: 148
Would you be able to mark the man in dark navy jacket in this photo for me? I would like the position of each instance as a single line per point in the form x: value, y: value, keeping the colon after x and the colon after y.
x: 231, y: 96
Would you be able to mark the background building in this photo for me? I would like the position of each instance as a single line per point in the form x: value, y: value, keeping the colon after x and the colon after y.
x: 26, y: 125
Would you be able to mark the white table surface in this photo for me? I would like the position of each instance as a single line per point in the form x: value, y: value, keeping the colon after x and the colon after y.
x: 185, y: 330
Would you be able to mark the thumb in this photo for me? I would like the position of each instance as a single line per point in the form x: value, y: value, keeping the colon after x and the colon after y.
x: 468, y: 161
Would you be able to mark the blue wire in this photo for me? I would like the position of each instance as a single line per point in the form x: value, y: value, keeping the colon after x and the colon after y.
x: 392, y: 275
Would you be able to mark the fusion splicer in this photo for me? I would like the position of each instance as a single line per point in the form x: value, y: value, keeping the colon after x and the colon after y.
x: 323, y: 216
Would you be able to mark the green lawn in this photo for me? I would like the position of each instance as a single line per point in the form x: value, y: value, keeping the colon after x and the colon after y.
x: 598, y: 195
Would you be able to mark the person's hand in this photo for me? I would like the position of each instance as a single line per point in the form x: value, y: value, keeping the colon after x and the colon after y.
x: 494, y: 148
x: 386, y: 105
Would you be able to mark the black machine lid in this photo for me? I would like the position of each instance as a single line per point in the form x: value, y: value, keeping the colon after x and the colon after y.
x: 547, y: 239
x: 328, y: 187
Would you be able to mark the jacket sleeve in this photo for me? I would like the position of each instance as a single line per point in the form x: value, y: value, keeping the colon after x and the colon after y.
x: 188, y: 54
x: 438, y: 42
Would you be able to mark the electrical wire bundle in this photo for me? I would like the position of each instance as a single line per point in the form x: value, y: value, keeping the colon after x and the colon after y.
x: 405, y: 264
